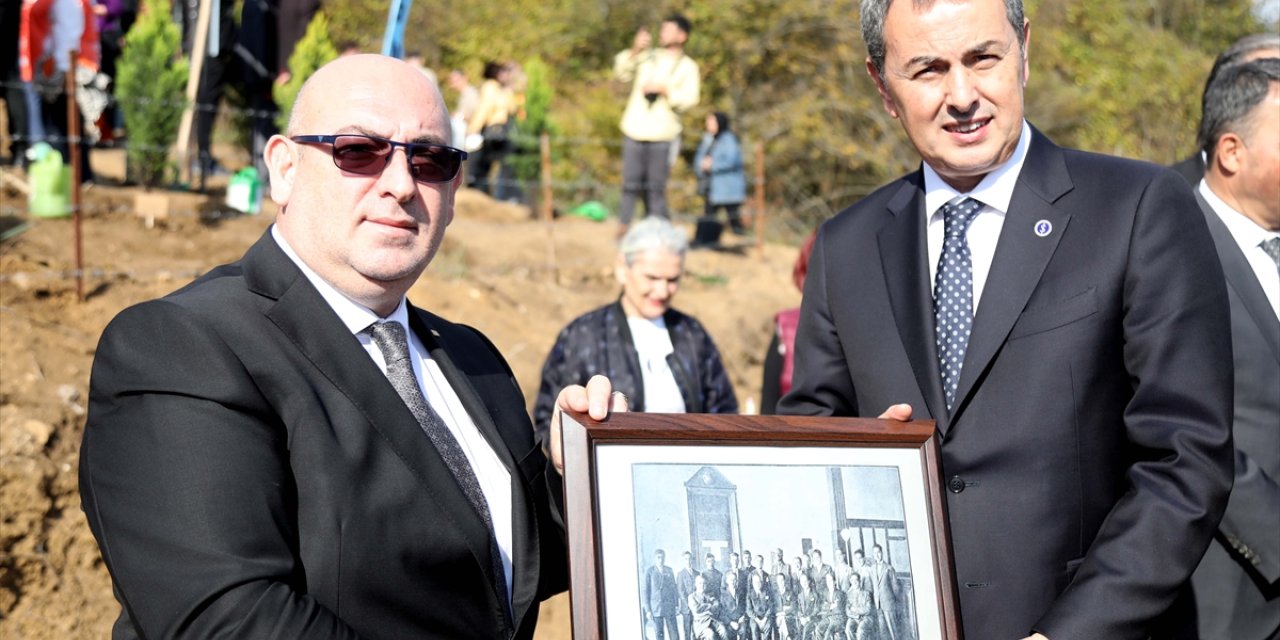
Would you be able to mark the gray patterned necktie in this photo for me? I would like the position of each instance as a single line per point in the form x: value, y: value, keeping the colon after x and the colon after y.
x: 1272, y: 247
x: 391, y: 341
x: 953, y: 293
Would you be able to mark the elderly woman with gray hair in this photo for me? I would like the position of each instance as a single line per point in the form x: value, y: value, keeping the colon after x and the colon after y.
x: 663, y: 360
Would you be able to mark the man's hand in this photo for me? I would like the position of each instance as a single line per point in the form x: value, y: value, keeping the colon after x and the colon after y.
x: 659, y: 88
x: 897, y: 412
x: 597, y: 400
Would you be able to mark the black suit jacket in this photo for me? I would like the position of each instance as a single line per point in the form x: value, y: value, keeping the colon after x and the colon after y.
x: 1088, y: 452
x: 1237, y: 584
x: 249, y: 472
x: 1191, y: 168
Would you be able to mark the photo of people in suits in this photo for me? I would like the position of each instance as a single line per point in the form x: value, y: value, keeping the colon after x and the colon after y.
x: 717, y: 510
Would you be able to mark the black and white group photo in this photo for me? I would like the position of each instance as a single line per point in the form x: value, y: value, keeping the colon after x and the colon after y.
x: 772, y: 551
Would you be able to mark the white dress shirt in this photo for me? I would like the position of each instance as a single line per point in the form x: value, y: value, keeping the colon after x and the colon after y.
x: 1249, y: 236
x: 994, y: 192
x: 653, y: 345
x: 493, y: 476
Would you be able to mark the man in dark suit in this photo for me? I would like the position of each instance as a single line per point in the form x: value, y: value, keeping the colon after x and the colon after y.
x: 1250, y: 47
x: 1237, y: 584
x: 269, y: 453
x: 1084, y: 409
x: 660, y: 597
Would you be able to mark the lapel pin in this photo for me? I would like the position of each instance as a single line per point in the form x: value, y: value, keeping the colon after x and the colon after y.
x: 1044, y: 228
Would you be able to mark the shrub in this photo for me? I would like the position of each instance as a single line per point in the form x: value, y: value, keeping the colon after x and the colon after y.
x: 313, y: 51
x: 151, y: 79
x: 536, y: 121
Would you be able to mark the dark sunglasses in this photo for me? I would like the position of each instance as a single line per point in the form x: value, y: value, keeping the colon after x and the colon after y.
x: 369, y: 155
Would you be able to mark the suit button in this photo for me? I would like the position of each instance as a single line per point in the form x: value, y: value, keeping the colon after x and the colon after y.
x: 956, y: 484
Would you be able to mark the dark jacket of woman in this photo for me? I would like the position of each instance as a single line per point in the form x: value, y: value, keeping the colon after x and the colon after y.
x: 599, y: 342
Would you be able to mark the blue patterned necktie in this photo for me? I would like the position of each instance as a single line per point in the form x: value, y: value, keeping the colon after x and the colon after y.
x: 391, y: 341
x: 953, y: 293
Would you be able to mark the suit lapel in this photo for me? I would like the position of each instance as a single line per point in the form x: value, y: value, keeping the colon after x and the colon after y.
x: 1020, y: 258
x: 524, y: 532
x: 462, y: 386
x: 307, y: 321
x: 1241, y: 278
x: 906, y: 276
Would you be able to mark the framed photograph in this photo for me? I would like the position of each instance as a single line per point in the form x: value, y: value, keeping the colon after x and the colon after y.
x: 725, y: 526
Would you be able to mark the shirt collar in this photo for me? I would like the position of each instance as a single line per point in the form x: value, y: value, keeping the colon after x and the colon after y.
x: 996, y: 188
x: 355, y: 316
x: 1246, y: 232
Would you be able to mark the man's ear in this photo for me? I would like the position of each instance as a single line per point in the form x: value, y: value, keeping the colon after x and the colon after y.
x: 1228, y: 154
x: 1026, y: 51
x: 885, y: 98
x: 281, y: 156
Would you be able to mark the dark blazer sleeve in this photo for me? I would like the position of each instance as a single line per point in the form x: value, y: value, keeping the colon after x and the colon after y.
x: 717, y: 390
x: 771, y: 384
x: 185, y: 481
x: 1249, y: 526
x: 1177, y: 357
x: 556, y: 375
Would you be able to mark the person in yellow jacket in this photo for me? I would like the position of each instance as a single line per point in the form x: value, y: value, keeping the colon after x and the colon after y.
x: 492, y: 120
x: 665, y: 83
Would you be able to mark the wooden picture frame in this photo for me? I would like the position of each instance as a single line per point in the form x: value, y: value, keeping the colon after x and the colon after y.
x: 640, y: 483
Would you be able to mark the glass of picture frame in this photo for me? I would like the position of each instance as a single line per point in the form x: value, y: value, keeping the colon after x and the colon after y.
x: 653, y: 501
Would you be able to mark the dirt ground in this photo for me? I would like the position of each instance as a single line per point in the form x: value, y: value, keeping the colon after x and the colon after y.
x: 517, y: 280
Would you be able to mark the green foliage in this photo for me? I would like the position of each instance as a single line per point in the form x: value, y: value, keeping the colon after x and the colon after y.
x: 535, y: 121
x: 313, y: 51
x: 151, y: 79
x: 1115, y: 76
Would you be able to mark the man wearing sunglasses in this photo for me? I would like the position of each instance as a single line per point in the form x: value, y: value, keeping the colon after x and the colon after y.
x: 287, y: 448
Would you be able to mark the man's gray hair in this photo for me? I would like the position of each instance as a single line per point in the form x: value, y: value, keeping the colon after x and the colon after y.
x: 1231, y: 99
x: 874, y: 11
x: 1245, y: 46
x: 1236, y: 53
x: 653, y: 233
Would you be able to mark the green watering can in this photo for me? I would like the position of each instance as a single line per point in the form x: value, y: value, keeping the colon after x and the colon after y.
x: 244, y: 191
x: 49, y: 181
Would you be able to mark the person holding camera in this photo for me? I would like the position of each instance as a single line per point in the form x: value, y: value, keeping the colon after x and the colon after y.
x: 664, y: 84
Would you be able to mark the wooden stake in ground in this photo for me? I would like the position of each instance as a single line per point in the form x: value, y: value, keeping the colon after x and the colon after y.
x: 73, y: 148
x: 759, y: 199
x: 548, y: 209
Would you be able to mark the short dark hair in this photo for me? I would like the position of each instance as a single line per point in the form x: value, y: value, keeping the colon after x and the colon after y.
x: 1230, y: 101
x: 680, y: 21
x: 491, y: 69
x: 872, y: 14
x: 722, y: 122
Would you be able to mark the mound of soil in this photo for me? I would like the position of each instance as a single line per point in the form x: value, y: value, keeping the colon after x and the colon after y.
x: 516, y: 279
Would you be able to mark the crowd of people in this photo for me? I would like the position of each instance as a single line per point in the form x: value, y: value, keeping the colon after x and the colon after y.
x: 288, y: 446
x: 806, y: 599
x: 247, y: 50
